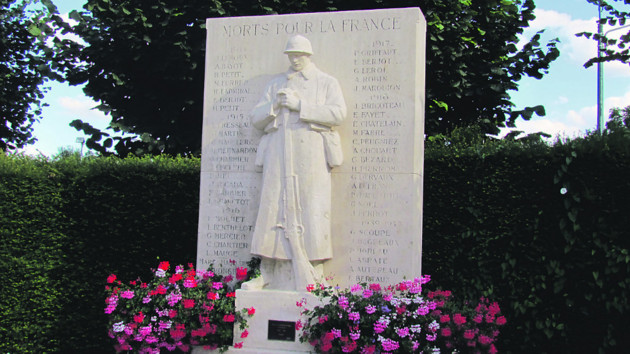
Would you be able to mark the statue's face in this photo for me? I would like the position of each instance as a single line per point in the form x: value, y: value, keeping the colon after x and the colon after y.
x: 299, y: 60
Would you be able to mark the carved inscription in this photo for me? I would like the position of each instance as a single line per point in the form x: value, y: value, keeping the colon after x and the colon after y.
x: 378, y: 119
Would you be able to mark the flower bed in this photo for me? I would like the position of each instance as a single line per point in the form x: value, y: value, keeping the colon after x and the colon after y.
x: 188, y: 307
x: 405, y: 318
x: 177, y: 309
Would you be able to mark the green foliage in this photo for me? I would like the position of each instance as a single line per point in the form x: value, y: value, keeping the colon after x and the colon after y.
x: 144, y: 62
x: 31, y: 239
x: 541, y: 229
x: 614, y: 49
x: 24, y: 67
x: 69, y: 223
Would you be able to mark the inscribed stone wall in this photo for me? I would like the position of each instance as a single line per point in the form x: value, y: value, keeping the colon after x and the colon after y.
x: 378, y: 58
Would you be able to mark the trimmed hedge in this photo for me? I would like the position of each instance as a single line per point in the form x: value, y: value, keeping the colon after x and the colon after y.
x: 95, y: 216
x: 543, y: 230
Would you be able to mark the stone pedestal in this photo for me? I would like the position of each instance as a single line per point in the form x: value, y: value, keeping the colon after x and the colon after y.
x: 272, y: 327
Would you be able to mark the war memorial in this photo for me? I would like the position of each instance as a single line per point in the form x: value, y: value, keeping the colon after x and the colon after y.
x: 312, y: 156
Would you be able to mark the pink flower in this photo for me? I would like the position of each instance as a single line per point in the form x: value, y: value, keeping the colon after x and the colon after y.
x: 485, y: 340
x: 336, y: 333
x: 402, y: 332
x: 111, y: 278
x: 354, y: 316
x: 310, y: 287
x: 144, y: 331
x: 445, y: 318
x: 244, y: 334
x: 343, y: 302
x: 446, y: 332
x: 469, y: 334
x: 241, y: 273
x: 228, y: 278
x: 228, y: 318
x: 431, y: 337
x: 501, y: 320
x: 127, y: 294
x: 190, y: 282
x: 238, y: 345
x: 370, y: 309
x: 323, y: 319
x: 217, y: 285
x: 172, y: 313
x: 251, y: 311
x: 367, y: 293
x: 459, y: 319
x: 493, y: 349
x: 389, y: 345
x: 494, y: 309
x: 478, y: 318
x: 298, y: 325
x: 188, y: 303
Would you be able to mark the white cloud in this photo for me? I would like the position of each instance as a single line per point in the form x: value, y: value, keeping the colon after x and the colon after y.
x: 579, y: 49
x: 82, y: 108
x: 575, y: 123
x: 562, y: 100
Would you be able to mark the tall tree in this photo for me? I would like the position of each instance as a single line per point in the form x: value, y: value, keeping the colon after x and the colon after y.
x: 24, y: 67
x: 611, y: 49
x: 144, y: 62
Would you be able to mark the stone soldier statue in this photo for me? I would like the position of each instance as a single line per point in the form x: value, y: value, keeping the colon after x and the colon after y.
x: 293, y: 230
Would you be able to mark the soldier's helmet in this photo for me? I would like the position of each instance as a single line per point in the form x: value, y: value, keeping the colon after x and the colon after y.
x: 298, y: 44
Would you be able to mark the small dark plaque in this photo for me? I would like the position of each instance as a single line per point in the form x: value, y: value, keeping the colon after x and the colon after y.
x: 281, y: 330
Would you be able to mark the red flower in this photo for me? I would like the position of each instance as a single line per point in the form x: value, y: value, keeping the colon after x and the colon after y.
x: 143, y: 285
x: 446, y: 332
x: 228, y: 278
x: 111, y: 278
x: 244, y: 334
x: 172, y: 313
x: 212, y: 296
x: 164, y: 265
x: 188, y: 303
x: 241, y: 273
x: 175, y: 278
x: 238, y: 345
x: 298, y: 325
x: 445, y: 318
x: 228, y: 318
x: 139, y: 317
x: 161, y: 289
x: 251, y: 311
x: 375, y: 287
x: 310, y: 287
x: 232, y: 294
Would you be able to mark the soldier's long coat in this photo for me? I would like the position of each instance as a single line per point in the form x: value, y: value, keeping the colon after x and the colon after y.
x: 314, y: 149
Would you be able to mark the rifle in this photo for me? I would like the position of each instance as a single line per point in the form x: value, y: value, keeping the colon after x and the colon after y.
x: 292, y: 212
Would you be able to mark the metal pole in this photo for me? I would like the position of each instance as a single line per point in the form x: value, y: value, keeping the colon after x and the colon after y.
x: 600, y: 74
x: 601, y: 48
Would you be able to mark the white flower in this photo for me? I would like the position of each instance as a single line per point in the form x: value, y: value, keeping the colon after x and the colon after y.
x: 118, y: 326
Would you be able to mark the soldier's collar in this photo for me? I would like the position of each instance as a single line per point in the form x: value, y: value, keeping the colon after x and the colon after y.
x: 308, y: 72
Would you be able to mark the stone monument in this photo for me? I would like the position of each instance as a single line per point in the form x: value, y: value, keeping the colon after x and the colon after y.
x: 354, y: 87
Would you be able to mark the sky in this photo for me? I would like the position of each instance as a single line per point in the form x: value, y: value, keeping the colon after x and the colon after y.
x: 568, y: 91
